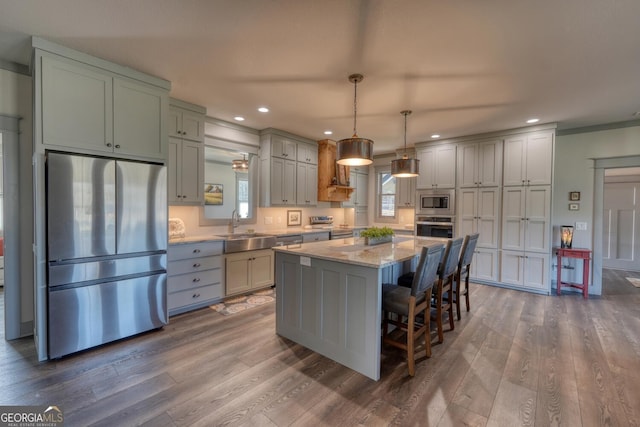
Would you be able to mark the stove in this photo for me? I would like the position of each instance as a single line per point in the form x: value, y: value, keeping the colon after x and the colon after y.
x: 326, y: 222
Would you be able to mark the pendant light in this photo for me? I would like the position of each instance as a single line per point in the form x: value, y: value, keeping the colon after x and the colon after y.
x: 355, y: 151
x: 405, y: 167
x: 240, y: 165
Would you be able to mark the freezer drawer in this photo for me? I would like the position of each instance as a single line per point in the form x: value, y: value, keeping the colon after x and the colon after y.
x: 88, y: 316
x: 105, y: 269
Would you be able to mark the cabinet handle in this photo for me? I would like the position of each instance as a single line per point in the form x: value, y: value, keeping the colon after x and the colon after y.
x: 196, y: 279
x: 196, y: 265
x: 117, y: 145
x: 196, y: 296
x: 108, y: 144
x: 196, y: 251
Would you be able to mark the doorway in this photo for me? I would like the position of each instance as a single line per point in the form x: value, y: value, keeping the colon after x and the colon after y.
x: 602, y: 223
x: 9, y: 154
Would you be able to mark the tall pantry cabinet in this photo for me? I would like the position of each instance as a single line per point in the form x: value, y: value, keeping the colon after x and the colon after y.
x: 526, y: 211
x: 479, y: 176
x: 503, y: 189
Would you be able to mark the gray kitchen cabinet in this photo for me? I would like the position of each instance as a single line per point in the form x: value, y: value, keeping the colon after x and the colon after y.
x: 437, y: 166
x: 185, y: 160
x: 307, y: 184
x: 480, y: 164
x: 288, y: 170
x: 246, y: 271
x: 185, y: 172
x: 283, y: 148
x: 359, y: 181
x: 186, y: 124
x: 315, y: 237
x: 194, y: 275
x: 307, y: 153
x: 406, y: 192
x: 92, y: 110
x: 138, y: 125
x: 528, y: 159
x: 283, y: 182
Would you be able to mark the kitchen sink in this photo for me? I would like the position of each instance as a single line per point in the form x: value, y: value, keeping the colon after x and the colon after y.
x: 240, y: 242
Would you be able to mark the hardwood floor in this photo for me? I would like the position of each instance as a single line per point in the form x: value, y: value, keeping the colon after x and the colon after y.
x: 515, y: 359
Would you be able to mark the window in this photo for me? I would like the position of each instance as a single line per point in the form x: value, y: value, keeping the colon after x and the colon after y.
x: 242, y: 198
x: 386, y: 197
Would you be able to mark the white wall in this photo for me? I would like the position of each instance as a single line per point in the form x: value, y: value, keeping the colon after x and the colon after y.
x: 16, y: 99
x: 574, y: 171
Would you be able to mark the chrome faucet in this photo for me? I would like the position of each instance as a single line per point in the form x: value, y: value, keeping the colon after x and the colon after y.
x: 235, y: 221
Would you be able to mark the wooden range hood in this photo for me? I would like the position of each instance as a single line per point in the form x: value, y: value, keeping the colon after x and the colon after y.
x: 330, y: 190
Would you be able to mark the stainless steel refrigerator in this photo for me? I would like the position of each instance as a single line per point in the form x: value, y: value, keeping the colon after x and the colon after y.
x: 106, y: 250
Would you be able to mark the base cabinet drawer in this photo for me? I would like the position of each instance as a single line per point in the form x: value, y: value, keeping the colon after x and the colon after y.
x: 190, y: 297
x: 193, y: 265
x: 195, y: 276
x: 192, y: 280
x: 194, y: 250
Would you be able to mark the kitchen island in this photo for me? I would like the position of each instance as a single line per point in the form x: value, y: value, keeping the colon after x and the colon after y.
x: 329, y: 295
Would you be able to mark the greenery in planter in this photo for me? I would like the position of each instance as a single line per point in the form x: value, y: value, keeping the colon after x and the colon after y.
x: 377, y: 232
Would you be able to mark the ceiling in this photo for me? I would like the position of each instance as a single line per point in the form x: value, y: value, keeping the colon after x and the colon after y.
x: 463, y: 67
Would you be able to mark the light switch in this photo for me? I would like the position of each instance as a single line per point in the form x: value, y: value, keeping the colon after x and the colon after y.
x: 581, y: 226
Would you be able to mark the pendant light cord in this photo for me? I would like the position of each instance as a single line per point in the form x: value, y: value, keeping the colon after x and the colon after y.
x: 405, y: 132
x: 355, y: 107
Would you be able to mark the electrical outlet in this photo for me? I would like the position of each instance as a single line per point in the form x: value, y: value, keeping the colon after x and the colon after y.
x: 268, y: 220
x: 581, y: 226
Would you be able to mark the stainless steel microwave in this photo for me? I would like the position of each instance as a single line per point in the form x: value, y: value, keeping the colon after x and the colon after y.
x: 436, y: 202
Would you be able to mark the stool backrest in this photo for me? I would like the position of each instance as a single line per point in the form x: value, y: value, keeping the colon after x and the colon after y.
x: 468, y: 247
x: 427, y: 269
x: 450, y: 258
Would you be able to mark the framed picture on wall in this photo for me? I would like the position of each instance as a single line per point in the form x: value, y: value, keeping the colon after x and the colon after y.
x: 213, y: 194
x: 574, y: 196
x: 294, y: 217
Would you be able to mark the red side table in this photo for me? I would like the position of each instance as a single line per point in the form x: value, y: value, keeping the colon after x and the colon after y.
x: 577, y: 253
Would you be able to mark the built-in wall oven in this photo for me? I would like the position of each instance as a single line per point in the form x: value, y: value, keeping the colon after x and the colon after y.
x: 436, y: 202
x: 435, y: 226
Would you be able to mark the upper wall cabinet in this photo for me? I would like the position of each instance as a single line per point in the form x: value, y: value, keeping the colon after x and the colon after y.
x: 480, y: 164
x: 528, y: 159
x: 186, y: 124
x: 437, y: 166
x: 88, y: 105
x: 288, y: 171
x: 186, y: 153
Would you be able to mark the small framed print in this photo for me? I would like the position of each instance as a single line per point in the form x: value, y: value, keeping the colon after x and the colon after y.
x: 294, y: 218
x: 574, y: 196
x: 574, y: 206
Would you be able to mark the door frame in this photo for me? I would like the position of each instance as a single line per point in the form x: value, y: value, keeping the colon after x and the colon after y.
x: 598, y: 208
x: 9, y: 130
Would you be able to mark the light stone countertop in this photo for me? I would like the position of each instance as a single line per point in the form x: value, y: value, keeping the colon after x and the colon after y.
x: 277, y: 233
x: 353, y: 250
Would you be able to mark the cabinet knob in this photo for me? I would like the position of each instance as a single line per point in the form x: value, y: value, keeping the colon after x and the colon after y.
x: 196, y: 251
x: 108, y: 144
x: 196, y: 265
x: 196, y: 279
x: 117, y: 145
x: 196, y: 296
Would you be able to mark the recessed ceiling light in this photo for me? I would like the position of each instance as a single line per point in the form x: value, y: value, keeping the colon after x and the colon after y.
x: 533, y: 120
x: 239, y: 118
x: 263, y: 109
x: 435, y: 135
x: 328, y: 132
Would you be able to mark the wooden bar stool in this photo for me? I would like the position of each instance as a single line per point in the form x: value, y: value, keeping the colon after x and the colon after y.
x: 444, y: 286
x: 464, y: 269
x: 409, y: 303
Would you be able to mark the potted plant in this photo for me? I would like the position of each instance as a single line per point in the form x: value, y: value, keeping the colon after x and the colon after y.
x: 377, y: 235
